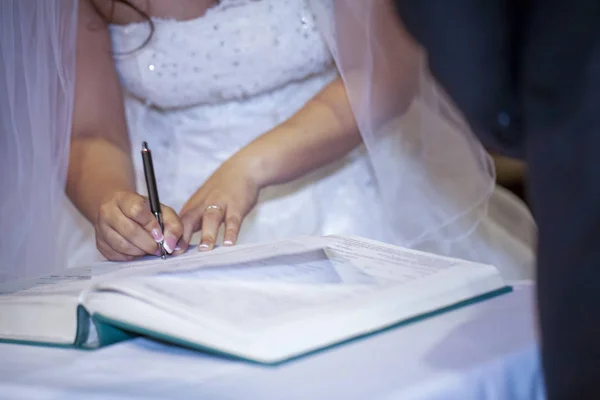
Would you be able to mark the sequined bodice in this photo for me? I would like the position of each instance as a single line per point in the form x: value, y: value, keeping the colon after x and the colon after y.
x: 238, y: 49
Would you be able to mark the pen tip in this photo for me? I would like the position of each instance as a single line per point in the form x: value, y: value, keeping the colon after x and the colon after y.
x: 144, y: 145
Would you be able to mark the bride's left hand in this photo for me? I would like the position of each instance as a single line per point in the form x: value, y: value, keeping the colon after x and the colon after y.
x: 226, y: 197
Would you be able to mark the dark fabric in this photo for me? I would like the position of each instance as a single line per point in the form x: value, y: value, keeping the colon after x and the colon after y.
x: 527, y: 76
x: 471, y: 53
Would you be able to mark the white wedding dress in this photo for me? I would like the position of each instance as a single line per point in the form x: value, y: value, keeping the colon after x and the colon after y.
x: 202, y: 89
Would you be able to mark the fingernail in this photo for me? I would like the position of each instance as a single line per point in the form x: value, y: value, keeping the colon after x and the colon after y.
x: 227, y: 243
x: 180, y: 245
x: 169, y: 244
x: 203, y: 246
x: 157, y: 235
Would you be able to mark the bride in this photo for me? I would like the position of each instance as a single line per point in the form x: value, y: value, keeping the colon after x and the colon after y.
x: 258, y: 126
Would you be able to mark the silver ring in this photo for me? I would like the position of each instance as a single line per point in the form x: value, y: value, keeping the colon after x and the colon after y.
x: 214, y: 207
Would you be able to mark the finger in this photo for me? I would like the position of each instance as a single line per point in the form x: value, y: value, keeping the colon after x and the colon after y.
x: 211, y: 221
x: 233, y: 222
x: 119, y: 243
x: 191, y: 204
x: 191, y: 220
x: 173, y: 231
x: 136, y: 208
x: 110, y: 254
x: 180, y: 247
x: 133, y: 233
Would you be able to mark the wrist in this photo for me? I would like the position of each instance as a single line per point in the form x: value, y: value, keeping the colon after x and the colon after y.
x: 255, y: 166
x: 104, y: 191
x: 109, y: 194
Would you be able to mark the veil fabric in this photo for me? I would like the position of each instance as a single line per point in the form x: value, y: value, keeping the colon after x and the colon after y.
x: 434, y: 176
x: 37, y: 78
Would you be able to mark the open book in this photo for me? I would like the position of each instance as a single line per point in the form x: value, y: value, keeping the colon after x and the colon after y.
x: 266, y: 302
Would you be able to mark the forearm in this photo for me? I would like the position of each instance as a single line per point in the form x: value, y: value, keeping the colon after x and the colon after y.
x: 98, y: 168
x: 100, y: 162
x: 323, y: 131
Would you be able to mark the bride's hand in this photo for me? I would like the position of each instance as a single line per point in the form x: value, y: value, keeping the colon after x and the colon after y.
x: 226, y: 197
x: 126, y: 228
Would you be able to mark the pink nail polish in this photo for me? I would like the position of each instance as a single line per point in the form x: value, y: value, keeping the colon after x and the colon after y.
x: 157, y: 235
x: 169, y: 244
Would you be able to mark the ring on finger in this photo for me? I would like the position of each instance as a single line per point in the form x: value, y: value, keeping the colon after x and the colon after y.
x: 215, y: 207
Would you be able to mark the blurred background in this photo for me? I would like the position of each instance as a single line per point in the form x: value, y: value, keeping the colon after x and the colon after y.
x: 511, y: 174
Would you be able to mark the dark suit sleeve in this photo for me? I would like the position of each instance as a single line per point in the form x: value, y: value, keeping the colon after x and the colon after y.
x: 561, y: 99
x: 553, y: 81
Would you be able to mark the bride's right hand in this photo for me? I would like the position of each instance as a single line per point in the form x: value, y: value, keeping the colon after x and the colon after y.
x: 126, y: 228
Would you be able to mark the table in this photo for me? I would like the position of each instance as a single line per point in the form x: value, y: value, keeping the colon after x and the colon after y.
x: 487, y: 350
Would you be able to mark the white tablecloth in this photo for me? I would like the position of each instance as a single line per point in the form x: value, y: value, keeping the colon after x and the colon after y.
x: 487, y: 350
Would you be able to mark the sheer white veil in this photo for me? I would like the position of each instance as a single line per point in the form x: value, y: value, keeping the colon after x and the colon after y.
x: 433, y: 174
x: 37, y: 78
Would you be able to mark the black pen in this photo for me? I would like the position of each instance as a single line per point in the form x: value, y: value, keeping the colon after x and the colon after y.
x: 153, y: 193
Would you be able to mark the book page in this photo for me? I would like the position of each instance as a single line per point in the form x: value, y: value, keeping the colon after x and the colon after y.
x: 311, y: 267
x: 235, y: 305
x: 388, y: 263
x: 72, y: 281
x: 253, y: 293
x: 250, y: 294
